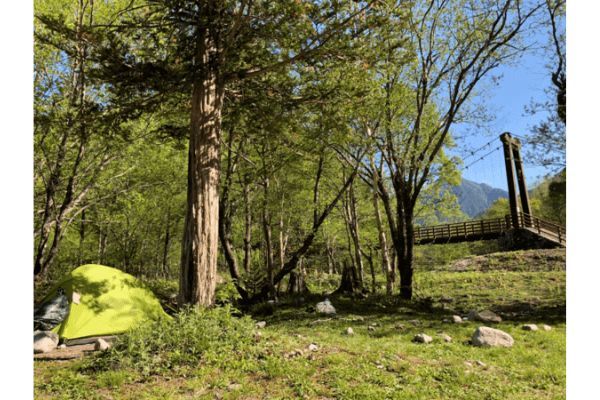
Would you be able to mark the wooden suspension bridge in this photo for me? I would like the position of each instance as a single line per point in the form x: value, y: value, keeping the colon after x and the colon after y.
x: 519, y: 220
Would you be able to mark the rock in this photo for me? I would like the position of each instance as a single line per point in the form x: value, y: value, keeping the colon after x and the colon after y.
x: 313, y: 347
x: 446, y: 338
x: 371, y: 328
x: 480, y: 363
x: 101, y: 345
x: 445, y: 320
x: 44, y: 341
x: 257, y: 336
x: 293, y: 353
x: 325, y: 307
x: 457, y: 319
x: 415, y: 322
x: 484, y: 316
x: 422, y: 338
x: 234, y: 386
x: 261, y: 324
x: 485, y: 336
x: 400, y: 327
x: 530, y: 327
x: 468, y: 364
x: 546, y: 327
x: 62, y: 346
x: 349, y: 331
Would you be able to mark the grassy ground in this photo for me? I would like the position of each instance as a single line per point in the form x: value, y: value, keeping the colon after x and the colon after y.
x: 380, y: 362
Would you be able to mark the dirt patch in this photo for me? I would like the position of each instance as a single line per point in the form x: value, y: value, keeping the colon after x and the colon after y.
x: 526, y: 260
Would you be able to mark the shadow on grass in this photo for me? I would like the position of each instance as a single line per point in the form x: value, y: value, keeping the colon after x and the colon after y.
x: 421, y: 311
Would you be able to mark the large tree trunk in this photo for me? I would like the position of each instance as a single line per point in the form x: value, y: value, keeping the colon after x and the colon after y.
x: 201, y: 238
x: 405, y: 252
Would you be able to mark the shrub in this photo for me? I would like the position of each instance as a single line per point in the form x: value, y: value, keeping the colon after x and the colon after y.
x: 194, y: 335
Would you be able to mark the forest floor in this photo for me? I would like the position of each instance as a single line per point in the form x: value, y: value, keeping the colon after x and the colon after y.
x: 379, y: 361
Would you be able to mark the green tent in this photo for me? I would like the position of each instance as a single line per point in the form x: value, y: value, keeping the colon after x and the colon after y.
x: 101, y: 301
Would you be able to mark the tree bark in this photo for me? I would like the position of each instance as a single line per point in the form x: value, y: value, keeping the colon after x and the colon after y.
x: 387, y: 266
x: 201, y: 236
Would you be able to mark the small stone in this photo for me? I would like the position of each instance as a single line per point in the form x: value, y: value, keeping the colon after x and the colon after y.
x: 546, y: 327
x: 374, y: 324
x: 457, y: 319
x: 62, y: 346
x: 379, y: 366
x: 234, y: 386
x: 313, y: 347
x: 101, y: 345
x: 257, y: 336
x: 371, y: 328
x: 44, y: 341
x: 400, y: 327
x: 325, y: 308
x: 480, y: 363
x: 484, y: 316
x: 415, y: 322
x: 422, y: 338
x: 446, y: 338
x: 294, y: 353
x: 485, y: 336
x: 445, y: 320
x: 468, y: 364
x: 530, y: 327
x: 349, y: 331
x: 261, y: 324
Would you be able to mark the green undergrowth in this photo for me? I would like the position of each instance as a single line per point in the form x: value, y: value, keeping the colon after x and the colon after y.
x: 219, y: 354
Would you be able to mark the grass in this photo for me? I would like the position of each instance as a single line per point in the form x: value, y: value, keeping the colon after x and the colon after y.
x: 382, y: 363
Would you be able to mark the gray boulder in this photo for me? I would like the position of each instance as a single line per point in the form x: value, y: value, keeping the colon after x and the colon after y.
x: 325, y: 308
x: 485, y: 336
x: 484, y: 316
x: 44, y: 341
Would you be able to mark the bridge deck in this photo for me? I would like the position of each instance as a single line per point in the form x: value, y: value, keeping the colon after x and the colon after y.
x: 485, y: 229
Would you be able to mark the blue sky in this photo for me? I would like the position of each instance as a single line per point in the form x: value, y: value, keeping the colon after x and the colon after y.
x: 520, y: 83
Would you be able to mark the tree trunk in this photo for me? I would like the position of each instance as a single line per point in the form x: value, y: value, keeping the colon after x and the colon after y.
x: 266, y: 222
x: 201, y: 238
x: 165, y: 255
x: 387, y: 266
x: 247, y: 225
x: 348, y: 283
x: 405, y: 257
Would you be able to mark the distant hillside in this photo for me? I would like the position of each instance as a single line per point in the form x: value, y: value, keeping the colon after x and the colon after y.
x: 475, y: 198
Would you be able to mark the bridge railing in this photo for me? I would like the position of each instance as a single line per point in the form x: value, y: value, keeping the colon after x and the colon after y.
x: 555, y: 231
x: 486, y: 228
x: 478, y: 228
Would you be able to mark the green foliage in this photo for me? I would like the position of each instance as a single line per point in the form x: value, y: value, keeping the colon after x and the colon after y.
x: 192, y: 336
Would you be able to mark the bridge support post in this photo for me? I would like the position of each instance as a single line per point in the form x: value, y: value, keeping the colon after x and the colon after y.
x: 516, y: 150
x: 506, y: 139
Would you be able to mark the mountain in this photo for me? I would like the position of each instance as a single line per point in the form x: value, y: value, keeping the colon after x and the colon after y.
x: 474, y: 198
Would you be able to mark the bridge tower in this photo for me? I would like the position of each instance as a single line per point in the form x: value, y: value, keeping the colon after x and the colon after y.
x: 514, y: 164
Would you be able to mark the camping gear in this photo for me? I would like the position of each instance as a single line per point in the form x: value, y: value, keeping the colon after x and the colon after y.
x: 102, y: 301
x: 52, y: 312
